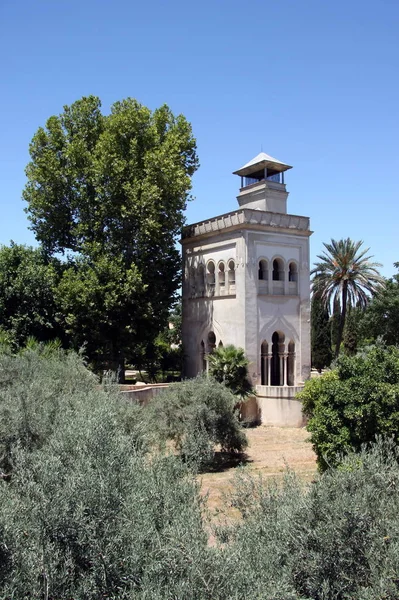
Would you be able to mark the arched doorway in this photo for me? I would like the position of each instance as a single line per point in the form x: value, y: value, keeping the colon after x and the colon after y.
x: 211, y: 342
x: 277, y: 359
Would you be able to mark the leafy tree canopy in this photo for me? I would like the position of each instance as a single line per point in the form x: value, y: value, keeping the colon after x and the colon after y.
x: 101, y: 303
x: 28, y: 279
x: 113, y: 188
x: 118, y: 182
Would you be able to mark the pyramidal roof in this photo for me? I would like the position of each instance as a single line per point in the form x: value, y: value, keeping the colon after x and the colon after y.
x: 260, y: 161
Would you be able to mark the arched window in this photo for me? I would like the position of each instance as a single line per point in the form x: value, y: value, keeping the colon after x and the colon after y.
x: 231, y: 275
x: 220, y: 345
x: 210, y: 277
x: 278, y: 270
x: 277, y: 359
x: 222, y: 278
x: 263, y: 272
x: 292, y: 272
x: 211, y: 342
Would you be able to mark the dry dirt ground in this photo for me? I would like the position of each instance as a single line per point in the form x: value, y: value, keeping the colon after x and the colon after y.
x: 270, y: 451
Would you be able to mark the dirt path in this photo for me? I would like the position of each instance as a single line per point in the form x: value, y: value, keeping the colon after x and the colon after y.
x: 270, y: 450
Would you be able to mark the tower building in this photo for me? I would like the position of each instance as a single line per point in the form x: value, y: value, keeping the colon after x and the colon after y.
x: 246, y: 282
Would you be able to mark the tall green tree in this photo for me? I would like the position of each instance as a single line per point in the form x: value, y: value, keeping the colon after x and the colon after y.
x: 345, y: 273
x: 28, y: 307
x: 115, y: 187
x: 320, y: 334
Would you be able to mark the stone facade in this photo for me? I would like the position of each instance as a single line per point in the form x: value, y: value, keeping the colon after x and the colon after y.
x: 246, y: 282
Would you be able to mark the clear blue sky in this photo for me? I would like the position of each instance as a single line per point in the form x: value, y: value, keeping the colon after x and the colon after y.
x: 313, y: 83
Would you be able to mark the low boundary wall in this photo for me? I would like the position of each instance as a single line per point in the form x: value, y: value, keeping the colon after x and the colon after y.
x: 144, y: 394
x: 272, y: 405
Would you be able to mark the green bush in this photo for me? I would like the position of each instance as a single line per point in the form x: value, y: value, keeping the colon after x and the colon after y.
x: 83, y: 512
x: 86, y: 514
x: 351, y: 405
x: 334, y: 540
x: 197, y: 414
x: 197, y: 445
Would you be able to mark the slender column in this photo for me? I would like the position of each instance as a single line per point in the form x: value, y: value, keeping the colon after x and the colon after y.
x: 269, y: 369
x: 291, y: 362
x: 270, y: 278
x: 286, y: 284
x: 285, y: 369
x: 281, y: 359
x: 263, y: 367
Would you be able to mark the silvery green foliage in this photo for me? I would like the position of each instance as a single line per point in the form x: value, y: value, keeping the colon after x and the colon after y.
x: 197, y: 412
x: 197, y: 448
x: 335, y: 540
x: 83, y: 512
x: 86, y: 514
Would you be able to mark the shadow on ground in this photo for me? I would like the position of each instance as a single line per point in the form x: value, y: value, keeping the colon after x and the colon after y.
x: 224, y: 461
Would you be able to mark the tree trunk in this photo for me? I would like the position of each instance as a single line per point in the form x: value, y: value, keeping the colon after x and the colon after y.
x: 342, y: 320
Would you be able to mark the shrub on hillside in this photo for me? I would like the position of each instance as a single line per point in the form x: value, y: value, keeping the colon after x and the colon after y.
x: 197, y: 414
x: 351, y: 405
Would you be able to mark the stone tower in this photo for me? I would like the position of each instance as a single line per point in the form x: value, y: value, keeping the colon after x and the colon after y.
x: 246, y: 282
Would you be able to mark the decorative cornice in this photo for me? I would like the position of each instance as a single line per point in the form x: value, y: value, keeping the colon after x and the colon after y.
x: 248, y: 218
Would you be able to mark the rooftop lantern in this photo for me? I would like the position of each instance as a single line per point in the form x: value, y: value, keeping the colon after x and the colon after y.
x: 262, y: 184
x: 262, y: 168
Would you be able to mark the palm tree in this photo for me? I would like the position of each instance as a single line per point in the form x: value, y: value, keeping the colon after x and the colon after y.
x: 345, y: 274
x: 229, y: 365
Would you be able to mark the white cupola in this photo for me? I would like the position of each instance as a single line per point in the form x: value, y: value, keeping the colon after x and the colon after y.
x: 262, y: 184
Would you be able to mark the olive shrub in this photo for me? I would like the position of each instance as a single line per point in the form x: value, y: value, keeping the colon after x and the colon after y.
x: 197, y: 414
x: 83, y: 512
x: 86, y: 512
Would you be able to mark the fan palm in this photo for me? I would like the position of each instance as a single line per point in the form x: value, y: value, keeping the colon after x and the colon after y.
x: 346, y: 274
x: 229, y: 365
